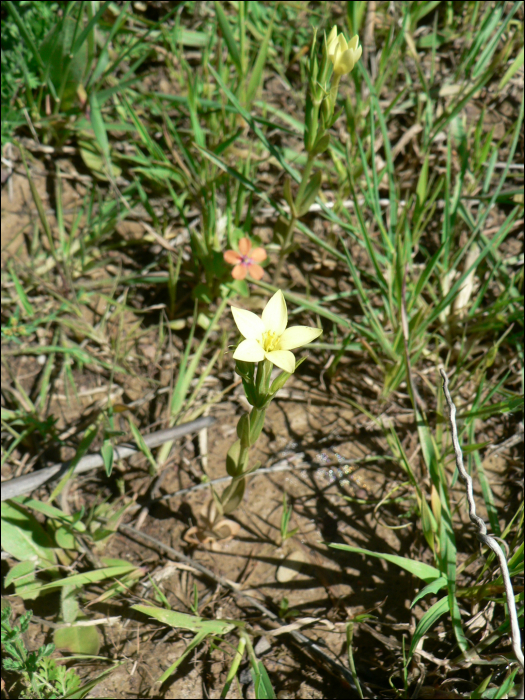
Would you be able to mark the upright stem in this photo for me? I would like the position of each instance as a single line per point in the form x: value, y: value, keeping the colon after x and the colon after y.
x: 282, y: 253
x: 333, y: 94
x: 293, y: 219
x: 306, y: 176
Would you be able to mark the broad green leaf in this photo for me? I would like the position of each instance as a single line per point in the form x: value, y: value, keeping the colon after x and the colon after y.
x: 78, y: 639
x: 17, y: 574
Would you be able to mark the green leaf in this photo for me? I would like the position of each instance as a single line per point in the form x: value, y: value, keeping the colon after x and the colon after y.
x: 20, y: 573
x: 243, y: 431
x: 287, y: 192
x: 433, y: 587
x: 65, y: 71
x: 310, y: 193
x: 232, y: 459
x: 428, y: 620
x: 23, y: 536
x: 226, y: 31
x: 51, y: 512
x: 179, y: 620
x: 87, y: 578
x: 97, y: 122
x: 20, y: 291
x: 232, y: 496
x: 78, y: 639
x: 416, y: 568
x: 516, y: 65
x: 91, y: 155
x: 107, y: 454
x: 257, y: 72
x: 263, y: 686
x: 321, y: 145
x: 142, y: 446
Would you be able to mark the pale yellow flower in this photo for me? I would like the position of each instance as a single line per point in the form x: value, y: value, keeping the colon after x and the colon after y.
x: 343, y: 55
x: 268, y: 338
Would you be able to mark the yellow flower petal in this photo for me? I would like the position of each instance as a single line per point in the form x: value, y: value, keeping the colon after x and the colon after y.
x: 249, y: 325
x: 283, y: 359
x: 332, y: 38
x: 249, y: 351
x: 345, y: 62
x: 353, y: 43
x: 275, y: 314
x: 342, y: 42
x: 296, y: 336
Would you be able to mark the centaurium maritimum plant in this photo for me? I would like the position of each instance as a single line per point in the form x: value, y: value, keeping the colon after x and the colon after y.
x: 267, y: 342
x: 320, y: 116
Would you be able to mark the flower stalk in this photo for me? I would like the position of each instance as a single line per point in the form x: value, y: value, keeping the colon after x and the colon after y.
x: 320, y: 116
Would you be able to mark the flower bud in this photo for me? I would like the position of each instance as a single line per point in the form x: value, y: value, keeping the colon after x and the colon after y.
x: 344, y: 55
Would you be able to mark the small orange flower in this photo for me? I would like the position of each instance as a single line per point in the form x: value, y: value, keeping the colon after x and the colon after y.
x: 246, y: 260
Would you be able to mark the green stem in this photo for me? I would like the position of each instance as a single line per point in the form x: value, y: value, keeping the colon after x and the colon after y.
x: 293, y: 219
x: 282, y: 254
x: 304, y: 181
x: 333, y: 94
x: 243, y: 457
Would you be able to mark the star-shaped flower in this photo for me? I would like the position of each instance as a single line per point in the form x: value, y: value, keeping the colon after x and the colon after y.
x: 246, y: 260
x: 343, y: 55
x: 268, y: 338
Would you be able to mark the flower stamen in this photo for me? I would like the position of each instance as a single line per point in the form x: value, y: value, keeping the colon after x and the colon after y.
x: 270, y: 341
